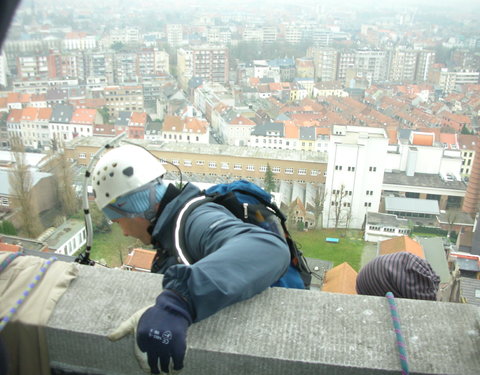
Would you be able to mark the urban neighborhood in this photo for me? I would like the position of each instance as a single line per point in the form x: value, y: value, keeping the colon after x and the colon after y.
x: 361, y: 121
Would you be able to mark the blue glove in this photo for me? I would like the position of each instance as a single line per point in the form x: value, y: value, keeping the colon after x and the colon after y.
x: 162, y: 331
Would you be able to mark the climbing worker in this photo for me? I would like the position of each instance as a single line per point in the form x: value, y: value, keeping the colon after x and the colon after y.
x: 404, y: 274
x: 234, y: 260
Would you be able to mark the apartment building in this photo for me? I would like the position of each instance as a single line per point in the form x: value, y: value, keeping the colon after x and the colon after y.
x: 403, y: 65
x: 174, y: 34
x: 32, y: 67
x: 152, y: 61
x: 372, y: 64
x: 79, y: 41
x: 3, y: 69
x: 208, y: 63
x: 467, y: 144
x: 325, y: 61
x: 345, y: 62
x: 123, y: 98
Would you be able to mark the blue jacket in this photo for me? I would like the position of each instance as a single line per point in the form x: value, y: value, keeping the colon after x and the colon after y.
x: 235, y: 260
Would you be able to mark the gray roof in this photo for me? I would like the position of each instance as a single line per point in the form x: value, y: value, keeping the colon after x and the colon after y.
x: 5, y: 180
x: 270, y: 128
x: 422, y: 180
x: 307, y: 133
x: 459, y: 218
x: 466, y: 264
x: 55, y: 94
x: 435, y: 255
x: 123, y: 118
x: 282, y: 117
x: 470, y: 290
x: 404, y: 134
x: 212, y: 149
x: 374, y: 218
x: 424, y: 206
x: 31, y: 158
x: 63, y: 233
x: 62, y: 113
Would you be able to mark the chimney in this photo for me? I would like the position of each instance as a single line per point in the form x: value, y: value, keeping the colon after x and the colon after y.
x: 472, y: 197
x: 411, y: 161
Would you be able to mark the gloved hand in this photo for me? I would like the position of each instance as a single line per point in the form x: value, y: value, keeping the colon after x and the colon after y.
x: 162, y: 332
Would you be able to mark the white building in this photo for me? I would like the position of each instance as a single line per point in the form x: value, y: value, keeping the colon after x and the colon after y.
x: 356, y: 163
x: 3, y: 69
x: 79, y: 41
x: 68, y: 238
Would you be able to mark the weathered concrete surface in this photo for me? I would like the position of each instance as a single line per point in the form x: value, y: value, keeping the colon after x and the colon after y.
x: 277, y: 332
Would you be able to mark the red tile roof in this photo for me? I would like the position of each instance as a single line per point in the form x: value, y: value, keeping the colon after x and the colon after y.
x: 242, y: 120
x: 340, y: 279
x: 9, y: 247
x: 84, y: 116
x: 140, y: 258
x: 423, y: 139
x: 196, y: 125
x: 15, y: 115
x: 138, y: 118
x: 402, y: 243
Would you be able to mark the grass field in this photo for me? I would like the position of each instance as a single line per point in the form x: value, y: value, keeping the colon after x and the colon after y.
x: 349, y: 249
x: 112, y: 247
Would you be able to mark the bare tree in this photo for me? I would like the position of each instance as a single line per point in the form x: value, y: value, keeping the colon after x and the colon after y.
x: 451, y: 216
x: 62, y: 169
x: 319, y: 203
x: 339, y: 196
x: 21, y: 187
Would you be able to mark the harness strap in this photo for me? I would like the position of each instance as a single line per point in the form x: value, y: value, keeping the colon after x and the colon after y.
x: 182, y: 256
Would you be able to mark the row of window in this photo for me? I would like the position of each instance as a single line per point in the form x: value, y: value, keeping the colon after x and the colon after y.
x: 249, y: 167
x: 352, y: 169
x: 387, y: 229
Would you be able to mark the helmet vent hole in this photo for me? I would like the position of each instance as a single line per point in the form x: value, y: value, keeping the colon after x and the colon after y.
x: 111, y: 174
x: 128, y: 171
x: 98, y: 183
x: 114, y: 165
x: 107, y: 195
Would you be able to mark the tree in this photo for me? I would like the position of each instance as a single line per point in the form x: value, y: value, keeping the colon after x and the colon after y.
x: 269, y: 180
x: 6, y: 227
x: 117, y: 46
x: 62, y: 169
x: 451, y: 216
x: 319, y: 203
x: 339, y: 196
x: 100, y: 222
x: 21, y: 188
x: 105, y: 114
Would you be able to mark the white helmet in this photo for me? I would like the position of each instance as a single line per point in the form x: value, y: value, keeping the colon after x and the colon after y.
x: 122, y: 170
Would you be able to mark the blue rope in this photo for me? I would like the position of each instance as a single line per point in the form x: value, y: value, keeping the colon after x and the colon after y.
x: 9, y: 259
x: 13, y: 310
x: 402, y: 349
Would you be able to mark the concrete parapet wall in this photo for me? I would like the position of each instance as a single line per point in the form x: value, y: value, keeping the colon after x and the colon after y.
x: 280, y: 331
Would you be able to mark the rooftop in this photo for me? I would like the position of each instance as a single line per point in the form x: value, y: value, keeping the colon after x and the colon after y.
x: 209, y: 149
x: 422, y: 180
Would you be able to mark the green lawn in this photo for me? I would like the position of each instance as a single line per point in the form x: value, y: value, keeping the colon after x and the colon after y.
x: 349, y: 249
x: 112, y: 247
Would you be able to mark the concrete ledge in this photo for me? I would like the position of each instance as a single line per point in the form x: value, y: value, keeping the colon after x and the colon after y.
x: 277, y: 332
